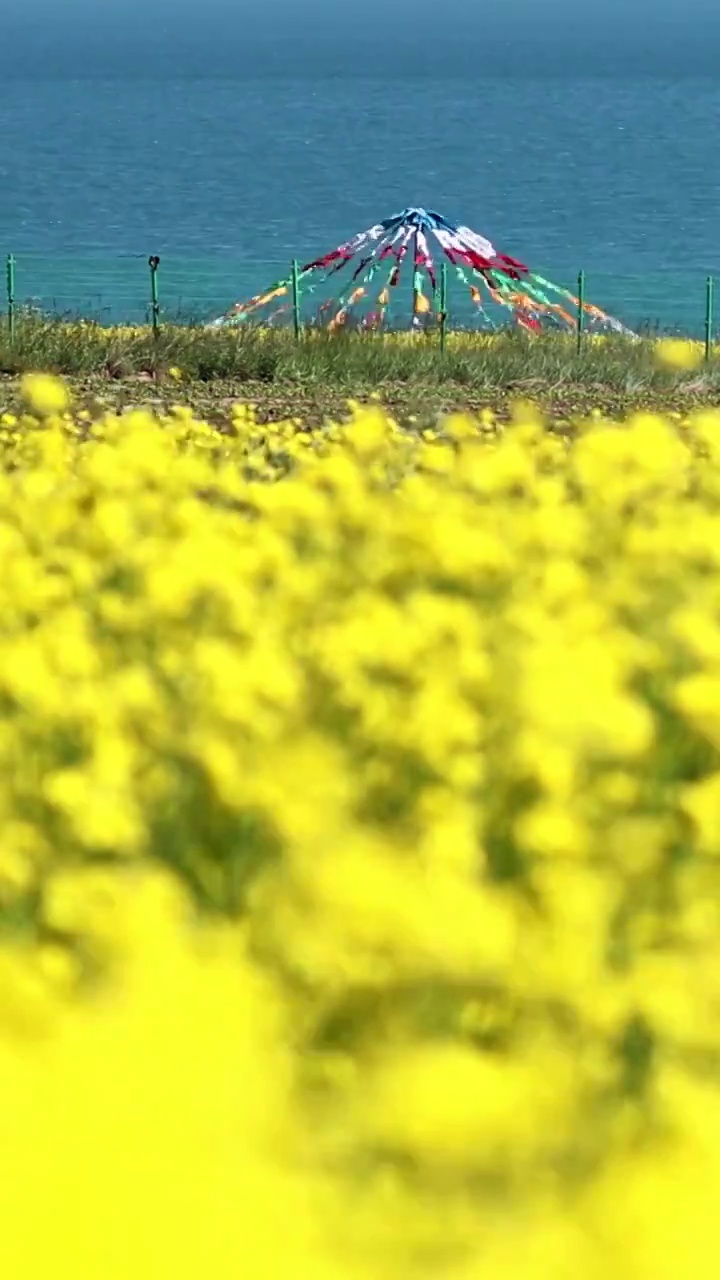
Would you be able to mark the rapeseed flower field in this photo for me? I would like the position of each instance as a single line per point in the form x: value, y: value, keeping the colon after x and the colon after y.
x: 360, y: 845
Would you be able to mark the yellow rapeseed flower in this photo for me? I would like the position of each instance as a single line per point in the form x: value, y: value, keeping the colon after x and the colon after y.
x: 679, y: 353
x: 44, y: 395
x: 359, y: 844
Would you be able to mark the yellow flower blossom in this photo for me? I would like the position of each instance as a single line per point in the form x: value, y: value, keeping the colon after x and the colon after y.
x: 679, y: 353
x: 359, y: 844
x: 44, y: 395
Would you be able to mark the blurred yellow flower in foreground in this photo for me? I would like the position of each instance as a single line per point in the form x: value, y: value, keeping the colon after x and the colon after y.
x: 44, y: 395
x: 359, y: 845
x: 679, y: 353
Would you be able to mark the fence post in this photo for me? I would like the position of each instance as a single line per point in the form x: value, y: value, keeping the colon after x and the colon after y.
x: 709, y: 300
x: 11, y: 296
x: 296, y: 298
x: 154, y: 263
x: 581, y: 311
x: 443, y: 304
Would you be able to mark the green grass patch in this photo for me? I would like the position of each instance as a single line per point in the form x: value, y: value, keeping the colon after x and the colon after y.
x: 273, y: 356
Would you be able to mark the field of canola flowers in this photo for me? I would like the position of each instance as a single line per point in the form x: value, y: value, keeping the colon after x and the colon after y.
x: 360, y: 847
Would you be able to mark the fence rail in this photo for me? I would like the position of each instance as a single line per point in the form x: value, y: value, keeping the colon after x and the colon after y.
x: 135, y: 289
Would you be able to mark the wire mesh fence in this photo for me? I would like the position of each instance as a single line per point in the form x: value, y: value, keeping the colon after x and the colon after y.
x: 129, y: 289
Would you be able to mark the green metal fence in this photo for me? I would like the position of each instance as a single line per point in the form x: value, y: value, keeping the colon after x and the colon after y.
x: 142, y: 290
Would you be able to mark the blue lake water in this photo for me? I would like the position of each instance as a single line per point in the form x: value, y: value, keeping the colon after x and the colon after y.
x: 229, y: 180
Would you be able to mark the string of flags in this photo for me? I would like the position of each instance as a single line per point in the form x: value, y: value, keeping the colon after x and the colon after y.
x: 362, y: 279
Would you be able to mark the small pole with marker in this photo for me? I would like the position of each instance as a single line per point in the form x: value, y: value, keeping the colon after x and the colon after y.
x: 443, y: 304
x: 416, y: 281
x: 709, y: 303
x: 11, y: 296
x: 581, y: 311
x: 154, y: 263
x: 296, y: 298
